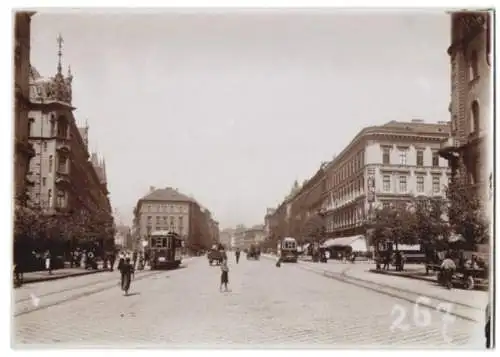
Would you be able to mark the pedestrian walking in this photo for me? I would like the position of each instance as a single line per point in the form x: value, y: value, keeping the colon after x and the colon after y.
x: 237, y: 253
x: 224, y: 278
x: 127, y: 272
x: 48, y: 264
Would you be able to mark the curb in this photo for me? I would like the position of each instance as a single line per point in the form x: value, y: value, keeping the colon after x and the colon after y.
x: 409, y: 276
x: 59, y: 277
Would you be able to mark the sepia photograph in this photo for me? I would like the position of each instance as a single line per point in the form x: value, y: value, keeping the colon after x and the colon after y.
x: 242, y: 178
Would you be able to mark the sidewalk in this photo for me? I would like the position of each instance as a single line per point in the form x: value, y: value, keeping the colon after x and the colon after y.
x: 40, y: 276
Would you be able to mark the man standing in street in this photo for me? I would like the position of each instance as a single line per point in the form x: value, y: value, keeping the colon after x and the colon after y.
x: 237, y: 253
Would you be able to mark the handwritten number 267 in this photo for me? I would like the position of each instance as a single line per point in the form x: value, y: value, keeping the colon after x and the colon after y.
x: 421, y: 316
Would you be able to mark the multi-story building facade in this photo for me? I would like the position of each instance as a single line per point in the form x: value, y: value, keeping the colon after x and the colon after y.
x: 123, y: 237
x: 169, y: 209
x: 65, y: 177
x: 225, y: 237
x: 255, y: 235
x: 381, y: 166
x: 279, y: 222
x: 306, y: 219
x: 23, y: 151
x: 213, y: 226
x: 268, y: 220
x: 470, y: 147
x: 238, y: 237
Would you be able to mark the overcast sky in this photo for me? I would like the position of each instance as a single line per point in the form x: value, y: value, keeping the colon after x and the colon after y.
x: 233, y: 107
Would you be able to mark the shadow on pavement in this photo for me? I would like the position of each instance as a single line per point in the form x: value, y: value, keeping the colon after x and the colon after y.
x: 132, y: 294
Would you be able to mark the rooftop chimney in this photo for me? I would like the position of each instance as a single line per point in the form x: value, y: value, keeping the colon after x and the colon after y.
x: 151, y: 188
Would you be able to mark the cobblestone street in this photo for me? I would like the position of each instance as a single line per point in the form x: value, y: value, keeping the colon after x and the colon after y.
x: 267, y: 306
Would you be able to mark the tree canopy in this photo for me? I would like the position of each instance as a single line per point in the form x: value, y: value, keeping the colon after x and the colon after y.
x: 431, y: 220
x: 41, y: 229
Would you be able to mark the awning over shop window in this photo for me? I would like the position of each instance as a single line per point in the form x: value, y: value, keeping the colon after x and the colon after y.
x: 357, y: 243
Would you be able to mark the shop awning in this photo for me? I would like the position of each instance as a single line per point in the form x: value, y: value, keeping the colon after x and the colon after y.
x: 357, y: 243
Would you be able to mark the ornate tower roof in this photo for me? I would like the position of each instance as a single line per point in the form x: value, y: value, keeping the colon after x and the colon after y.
x: 57, y: 88
x: 99, y: 167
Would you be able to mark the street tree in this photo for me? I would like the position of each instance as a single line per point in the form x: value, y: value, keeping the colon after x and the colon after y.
x: 466, y: 214
x: 430, y: 219
x: 395, y: 224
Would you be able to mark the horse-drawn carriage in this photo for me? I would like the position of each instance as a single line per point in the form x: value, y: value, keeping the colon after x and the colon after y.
x: 253, y: 253
x: 470, y: 271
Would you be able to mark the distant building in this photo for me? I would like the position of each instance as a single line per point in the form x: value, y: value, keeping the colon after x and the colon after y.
x: 238, y: 238
x: 169, y: 209
x: 226, y: 236
x: 123, y: 238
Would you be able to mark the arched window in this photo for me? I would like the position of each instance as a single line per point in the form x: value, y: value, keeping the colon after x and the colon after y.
x: 473, y: 66
x: 52, y: 125
x: 474, y: 119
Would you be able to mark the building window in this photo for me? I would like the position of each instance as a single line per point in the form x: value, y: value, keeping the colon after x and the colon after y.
x: 172, y: 221
x: 44, y: 181
x: 474, y: 120
x: 44, y: 146
x: 402, y: 184
x: 436, y: 184
x: 435, y: 159
x: 158, y: 220
x: 61, y: 199
x: 181, y: 221
x: 31, y: 121
x: 150, y: 218
x: 420, y: 158
x: 386, y: 156
x: 387, y: 183
x: 402, y: 157
x: 50, y: 197
x: 62, y: 164
x: 165, y: 222
x: 420, y: 184
x: 62, y: 127
x: 51, y: 159
x: 473, y: 66
x: 52, y: 125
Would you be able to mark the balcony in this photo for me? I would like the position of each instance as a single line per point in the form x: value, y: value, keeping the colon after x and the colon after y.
x: 63, y: 145
x: 30, y: 178
x: 449, y: 149
x: 62, y: 175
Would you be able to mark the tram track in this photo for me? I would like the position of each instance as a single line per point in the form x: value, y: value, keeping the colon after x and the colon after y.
x: 107, y: 279
x: 104, y: 286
